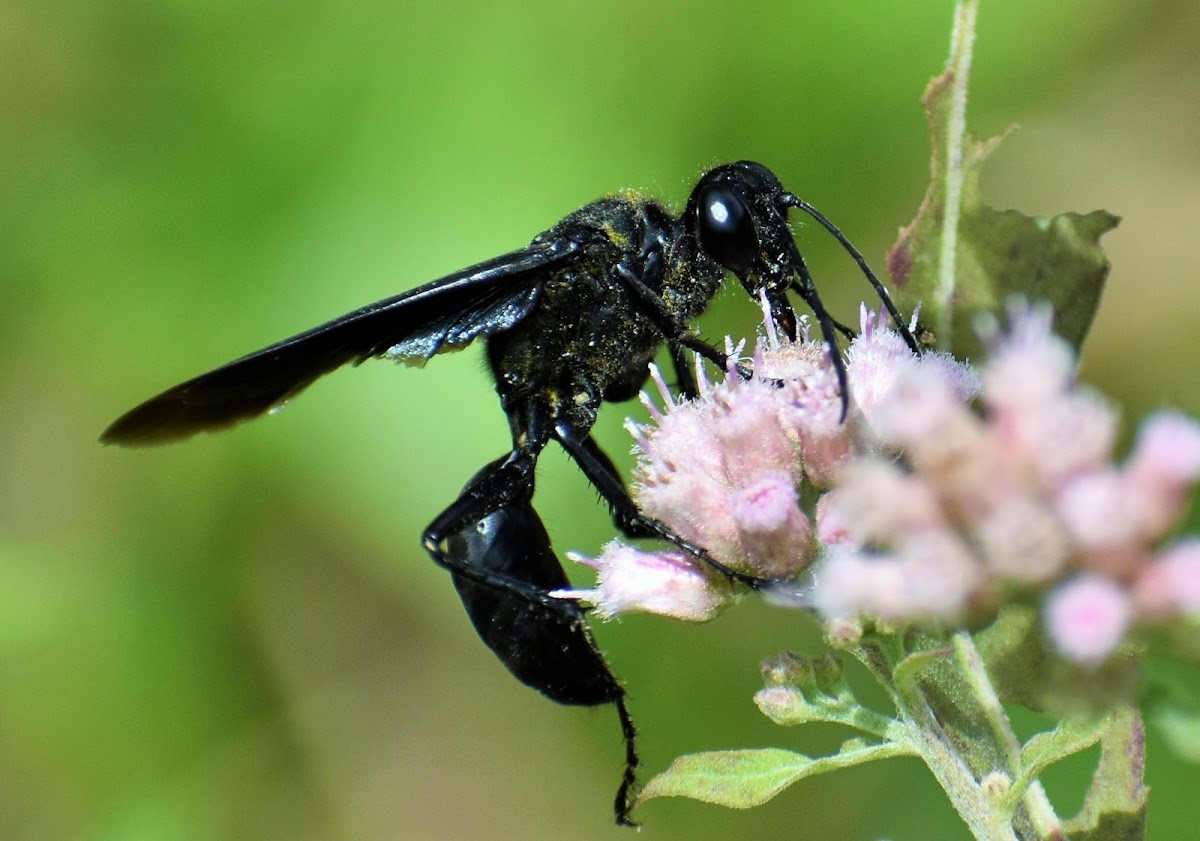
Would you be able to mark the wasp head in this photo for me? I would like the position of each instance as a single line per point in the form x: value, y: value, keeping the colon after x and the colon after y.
x: 738, y: 216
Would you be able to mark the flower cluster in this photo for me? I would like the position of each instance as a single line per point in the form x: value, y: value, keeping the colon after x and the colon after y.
x: 1024, y: 497
x: 724, y: 471
x: 923, y: 504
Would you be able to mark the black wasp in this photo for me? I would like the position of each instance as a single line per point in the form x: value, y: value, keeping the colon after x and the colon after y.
x: 570, y: 321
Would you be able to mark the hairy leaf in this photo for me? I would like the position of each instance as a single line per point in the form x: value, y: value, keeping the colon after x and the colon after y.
x: 960, y: 259
x: 1114, y: 808
x: 741, y: 779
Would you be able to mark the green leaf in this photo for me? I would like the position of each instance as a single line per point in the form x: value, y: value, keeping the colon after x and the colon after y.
x: 1025, y: 671
x: 1067, y: 739
x: 1006, y: 253
x: 1114, y: 808
x: 741, y: 779
x: 960, y: 259
x: 909, y: 671
x: 1044, y: 749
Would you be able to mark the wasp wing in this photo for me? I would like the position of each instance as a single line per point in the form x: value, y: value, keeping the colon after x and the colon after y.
x: 446, y: 314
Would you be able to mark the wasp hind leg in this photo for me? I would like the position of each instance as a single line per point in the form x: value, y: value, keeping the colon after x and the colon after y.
x: 500, y: 558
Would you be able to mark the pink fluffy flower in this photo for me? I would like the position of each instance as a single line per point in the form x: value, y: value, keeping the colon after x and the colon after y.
x: 724, y: 471
x: 1086, y: 618
x: 1030, y: 487
x: 665, y: 583
x: 929, y: 506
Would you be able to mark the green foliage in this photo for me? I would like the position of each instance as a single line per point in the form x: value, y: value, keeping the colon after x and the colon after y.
x: 960, y: 259
x: 742, y: 779
x: 1114, y: 808
x: 1028, y: 674
x: 946, y: 715
x: 1173, y: 707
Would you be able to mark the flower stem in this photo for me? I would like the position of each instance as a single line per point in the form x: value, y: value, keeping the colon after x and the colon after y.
x: 982, y: 814
x: 962, y: 41
x: 950, y: 715
x: 1041, y: 813
x: 920, y: 715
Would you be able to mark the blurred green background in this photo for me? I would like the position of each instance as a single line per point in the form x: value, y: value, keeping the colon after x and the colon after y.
x: 240, y: 637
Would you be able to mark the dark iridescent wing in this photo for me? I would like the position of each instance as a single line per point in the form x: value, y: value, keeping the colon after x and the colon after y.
x: 446, y: 314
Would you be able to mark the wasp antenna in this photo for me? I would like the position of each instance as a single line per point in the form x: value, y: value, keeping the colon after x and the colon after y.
x: 792, y: 200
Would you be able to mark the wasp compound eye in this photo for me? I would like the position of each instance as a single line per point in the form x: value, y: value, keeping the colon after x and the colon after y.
x: 726, y: 229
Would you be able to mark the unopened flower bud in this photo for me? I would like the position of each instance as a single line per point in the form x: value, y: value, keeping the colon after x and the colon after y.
x: 667, y: 583
x: 1023, y: 541
x: 835, y: 523
x: 1167, y: 450
x: 996, y: 785
x: 1096, y: 510
x: 1031, y: 365
x: 876, y: 501
x: 776, y: 537
x: 939, y: 575
x: 1086, y: 618
x: 1072, y: 433
x: 1170, y: 585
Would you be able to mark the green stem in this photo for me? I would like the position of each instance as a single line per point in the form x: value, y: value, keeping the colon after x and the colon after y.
x: 991, y: 741
x: 920, y: 729
x: 971, y: 665
x: 982, y: 814
x: 962, y: 41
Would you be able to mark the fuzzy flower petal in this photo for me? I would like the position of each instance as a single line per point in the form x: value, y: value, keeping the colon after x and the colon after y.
x: 775, y: 534
x: 765, y: 504
x: 666, y: 583
x: 879, y: 356
x: 1030, y: 366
